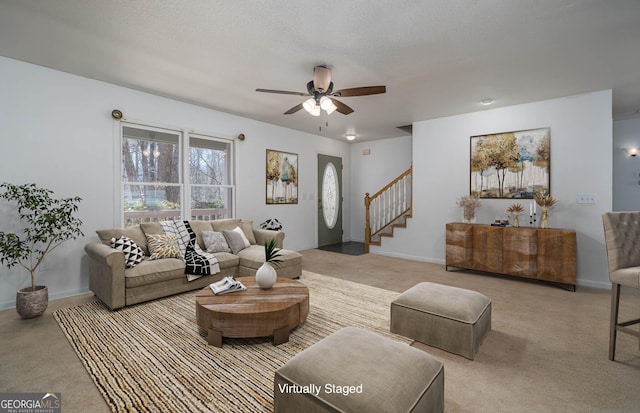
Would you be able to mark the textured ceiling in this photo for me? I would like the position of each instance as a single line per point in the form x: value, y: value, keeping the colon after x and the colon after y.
x: 436, y: 58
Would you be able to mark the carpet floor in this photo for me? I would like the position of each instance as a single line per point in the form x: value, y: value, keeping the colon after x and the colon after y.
x: 152, y: 357
x: 547, y: 351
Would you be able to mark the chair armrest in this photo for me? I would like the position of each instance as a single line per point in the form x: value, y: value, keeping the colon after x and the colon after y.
x: 106, y: 274
x: 263, y: 235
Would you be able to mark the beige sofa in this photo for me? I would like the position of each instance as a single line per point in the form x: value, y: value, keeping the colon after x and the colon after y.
x: 118, y: 286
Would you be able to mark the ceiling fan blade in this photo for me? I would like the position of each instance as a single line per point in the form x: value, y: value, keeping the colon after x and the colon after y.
x: 294, y: 109
x: 342, y: 108
x: 360, y: 91
x: 282, y: 92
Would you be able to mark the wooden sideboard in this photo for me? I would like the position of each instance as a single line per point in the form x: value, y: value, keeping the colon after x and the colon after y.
x: 542, y: 254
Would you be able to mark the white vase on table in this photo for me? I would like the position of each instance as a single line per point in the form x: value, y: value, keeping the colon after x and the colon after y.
x: 266, y: 276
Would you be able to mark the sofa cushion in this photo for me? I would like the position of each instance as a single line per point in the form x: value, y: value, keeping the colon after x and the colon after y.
x: 134, y: 233
x: 133, y: 254
x: 152, y: 228
x: 150, y: 272
x: 162, y: 246
x: 227, y: 260
x: 253, y: 257
x: 215, y: 242
x: 199, y: 227
x: 226, y: 224
x: 247, y: 227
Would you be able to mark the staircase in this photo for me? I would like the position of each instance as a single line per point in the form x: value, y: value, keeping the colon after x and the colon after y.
x: 388, y: 209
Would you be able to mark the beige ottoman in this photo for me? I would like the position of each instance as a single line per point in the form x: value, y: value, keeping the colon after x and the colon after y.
x: 354, y: 370
x: 453, y: 319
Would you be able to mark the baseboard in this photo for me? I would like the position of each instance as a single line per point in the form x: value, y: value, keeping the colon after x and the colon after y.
x: 595, y: 284
x: 409, y: 257
x: 55, y: 296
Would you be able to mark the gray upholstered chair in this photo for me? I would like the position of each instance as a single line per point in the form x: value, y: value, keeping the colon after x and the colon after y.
x: 622, y: 239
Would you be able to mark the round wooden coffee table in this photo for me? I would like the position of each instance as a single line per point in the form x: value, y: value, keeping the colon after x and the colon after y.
x: 254, y: 312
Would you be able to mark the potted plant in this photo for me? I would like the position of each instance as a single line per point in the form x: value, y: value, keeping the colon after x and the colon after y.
x: 48, y: 223
x: 266, y: 275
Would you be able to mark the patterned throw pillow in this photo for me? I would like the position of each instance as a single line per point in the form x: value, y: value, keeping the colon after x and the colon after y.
x: 133, y: 254
x: 272, y: 224
x: 215, y: 241
x: 162, y: 246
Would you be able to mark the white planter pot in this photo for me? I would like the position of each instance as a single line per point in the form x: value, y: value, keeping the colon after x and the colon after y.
x: 266, y: 276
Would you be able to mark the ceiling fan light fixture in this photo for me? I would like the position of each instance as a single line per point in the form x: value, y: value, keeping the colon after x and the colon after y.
x: 321, y: 96
x: 315, y: 111
x: 350, y: 136
x: 325, y: 103
x: 309, y: 104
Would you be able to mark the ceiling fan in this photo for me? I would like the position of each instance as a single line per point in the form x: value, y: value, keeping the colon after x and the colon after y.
x: 322, y: 95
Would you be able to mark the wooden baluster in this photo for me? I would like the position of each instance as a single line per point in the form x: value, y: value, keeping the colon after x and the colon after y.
x: 367, y: 223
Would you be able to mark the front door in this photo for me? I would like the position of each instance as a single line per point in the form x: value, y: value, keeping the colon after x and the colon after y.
x: 329, y: 200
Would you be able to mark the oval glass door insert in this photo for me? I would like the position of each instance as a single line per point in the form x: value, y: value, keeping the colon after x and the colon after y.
x: 330, y: 195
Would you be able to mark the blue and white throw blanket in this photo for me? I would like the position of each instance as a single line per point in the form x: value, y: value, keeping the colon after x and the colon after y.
x: 198, y: 262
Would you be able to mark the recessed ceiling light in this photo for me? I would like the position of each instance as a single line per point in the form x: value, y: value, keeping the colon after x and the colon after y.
x: 350, y: 136
x: 486, y: 102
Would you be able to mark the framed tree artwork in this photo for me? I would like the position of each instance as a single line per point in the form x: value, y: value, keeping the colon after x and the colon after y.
x: 281, y: 177
x: 510, y: 164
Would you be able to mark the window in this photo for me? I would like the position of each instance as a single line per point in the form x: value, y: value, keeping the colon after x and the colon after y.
x: 157, y: 185
x: 209, y: 176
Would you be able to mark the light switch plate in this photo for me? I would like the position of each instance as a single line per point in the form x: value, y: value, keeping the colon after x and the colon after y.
x: 586, y: 199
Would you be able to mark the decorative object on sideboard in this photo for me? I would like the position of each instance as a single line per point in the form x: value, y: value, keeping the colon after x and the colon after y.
x: 266, y: 275
x: 468, y: 203
x: 545, y: 201
x: 48, y: 222
x: 515, y: 210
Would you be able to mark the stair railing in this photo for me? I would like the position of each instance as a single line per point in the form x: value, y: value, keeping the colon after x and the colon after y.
x: 387, y: 205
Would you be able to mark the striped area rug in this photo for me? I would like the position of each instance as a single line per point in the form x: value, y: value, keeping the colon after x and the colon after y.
x: 152, y: 357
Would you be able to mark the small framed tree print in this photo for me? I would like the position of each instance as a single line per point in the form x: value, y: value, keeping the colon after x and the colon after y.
x: 281, y: 177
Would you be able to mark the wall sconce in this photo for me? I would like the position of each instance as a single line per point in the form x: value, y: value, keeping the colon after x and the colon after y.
x: 632, y: 151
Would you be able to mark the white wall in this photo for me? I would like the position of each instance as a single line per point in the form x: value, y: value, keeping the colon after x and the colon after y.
x: 581, y: 162
x: 56, y: 130
x: 626, y: 169
x: 387, y: 159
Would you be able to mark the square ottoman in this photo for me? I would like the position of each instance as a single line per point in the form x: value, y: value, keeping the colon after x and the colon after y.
x: 453, y: 319
x: 354, y: 370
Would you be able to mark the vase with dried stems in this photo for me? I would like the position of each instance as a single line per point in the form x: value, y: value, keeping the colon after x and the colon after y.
x: 545, y: 201
x: 515, y: 210
x: 468, y: 204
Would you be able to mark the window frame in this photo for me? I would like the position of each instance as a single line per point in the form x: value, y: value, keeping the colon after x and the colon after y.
x: 184, y: 146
